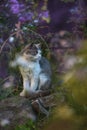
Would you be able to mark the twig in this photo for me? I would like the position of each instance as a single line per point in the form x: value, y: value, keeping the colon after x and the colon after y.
x: 5, y: 42
x: 39, y: 36
x: 4, y: 80
x: 40, y: 94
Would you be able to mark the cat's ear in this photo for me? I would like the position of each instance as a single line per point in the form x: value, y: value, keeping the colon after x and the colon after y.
x: 38, y: 46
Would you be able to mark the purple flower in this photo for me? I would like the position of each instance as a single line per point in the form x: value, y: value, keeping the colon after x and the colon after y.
x: 14, y: 5
x: 22, y: 6
x: 22, y: 19
x: 29, y: 16
x: 13, y: 1
x: 44, y: 14
x: 26, y: 17
x: 15, y: 8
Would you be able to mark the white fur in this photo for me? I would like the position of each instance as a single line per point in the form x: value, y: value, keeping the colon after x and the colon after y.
x: 29, y: 70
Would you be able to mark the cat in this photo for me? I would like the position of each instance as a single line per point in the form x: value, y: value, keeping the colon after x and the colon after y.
x: 34, y: 68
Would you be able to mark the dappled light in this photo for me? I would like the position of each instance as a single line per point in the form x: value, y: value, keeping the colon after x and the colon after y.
x: 64, y: 112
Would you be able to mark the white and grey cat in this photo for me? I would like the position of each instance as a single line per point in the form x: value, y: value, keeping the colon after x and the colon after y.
x: 35, y: 69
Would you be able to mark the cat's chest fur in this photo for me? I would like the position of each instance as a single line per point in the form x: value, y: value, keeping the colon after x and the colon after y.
x: 29, y: 67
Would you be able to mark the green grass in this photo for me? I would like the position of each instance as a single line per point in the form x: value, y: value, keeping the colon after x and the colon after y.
x: 29, y: 125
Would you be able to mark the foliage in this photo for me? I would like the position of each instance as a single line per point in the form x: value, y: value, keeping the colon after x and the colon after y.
x: 29, y: 125
x: 76, y: 86
x: 78, y: 18
x: 30, y: 14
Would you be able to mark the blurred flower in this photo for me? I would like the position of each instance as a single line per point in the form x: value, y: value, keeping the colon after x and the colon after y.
x: 26, y: 13
x: 36, y: 21
x: 11, y: 39
x: 74, y: 10
x: 45, y: 16
x: 22, y: 19
x: 13, y: 1
x: 22, y: 6
x: 26, y: 17
x: 15, y: 8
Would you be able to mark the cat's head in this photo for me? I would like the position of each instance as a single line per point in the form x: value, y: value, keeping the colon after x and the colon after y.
x: 32, y: 52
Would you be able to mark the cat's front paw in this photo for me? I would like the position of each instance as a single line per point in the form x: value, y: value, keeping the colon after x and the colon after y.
x: 24, y: 93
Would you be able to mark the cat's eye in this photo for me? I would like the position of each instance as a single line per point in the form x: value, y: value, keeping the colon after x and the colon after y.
x: 32, y: 52
x: 27, y: 52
